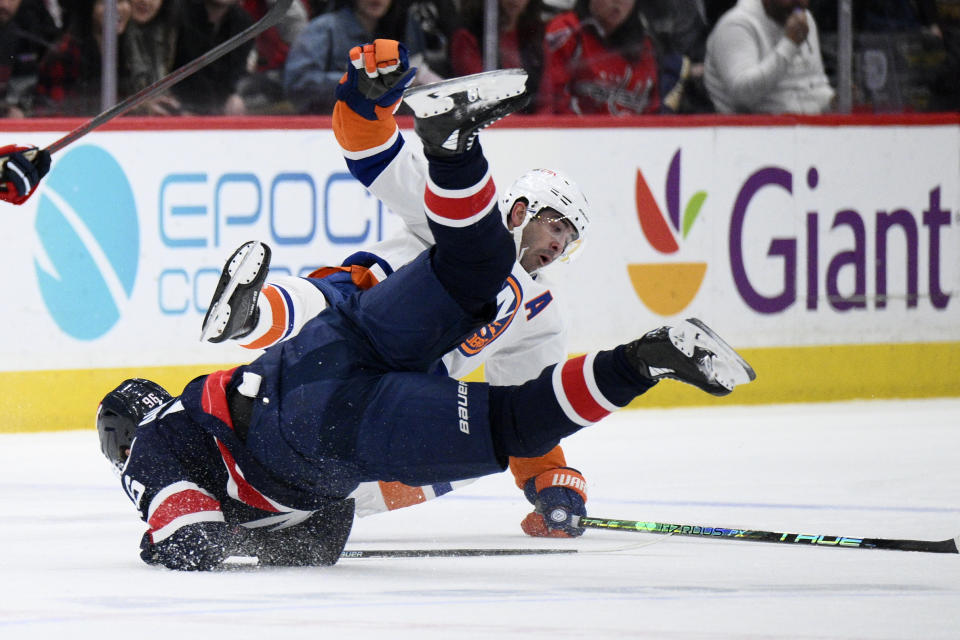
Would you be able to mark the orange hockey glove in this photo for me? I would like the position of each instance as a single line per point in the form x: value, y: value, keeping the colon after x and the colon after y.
x: 376, y: 77
x: 557, y: 495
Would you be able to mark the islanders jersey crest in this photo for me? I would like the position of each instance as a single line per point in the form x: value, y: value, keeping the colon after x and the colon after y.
x: 508, y: 304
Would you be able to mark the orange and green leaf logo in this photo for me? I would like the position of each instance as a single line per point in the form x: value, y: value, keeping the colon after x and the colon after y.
x: 667, y: 288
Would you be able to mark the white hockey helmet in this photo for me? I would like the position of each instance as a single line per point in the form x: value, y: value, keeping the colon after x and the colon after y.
x: 546, y: 188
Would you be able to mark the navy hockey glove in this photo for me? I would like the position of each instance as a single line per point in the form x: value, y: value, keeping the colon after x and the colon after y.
x: 20, y: 176
x: 557, y: 496
x: 376, y: 77
x: 200, y: 546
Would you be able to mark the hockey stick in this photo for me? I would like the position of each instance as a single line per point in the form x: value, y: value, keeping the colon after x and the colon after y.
x: 269, y: 19
x: 949, y: 545
x: 448, y: 553
x: 241, y: 560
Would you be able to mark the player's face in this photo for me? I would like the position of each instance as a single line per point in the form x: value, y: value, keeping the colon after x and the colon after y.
x: 8, y: 9
x: 544, y: 239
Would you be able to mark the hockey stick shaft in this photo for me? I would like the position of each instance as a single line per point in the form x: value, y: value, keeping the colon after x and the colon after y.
x: 705, y: 531
x: 448, y: 553
x: 269, y: 19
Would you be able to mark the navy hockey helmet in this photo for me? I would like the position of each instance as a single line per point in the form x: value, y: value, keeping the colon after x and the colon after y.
x: 121, y: 411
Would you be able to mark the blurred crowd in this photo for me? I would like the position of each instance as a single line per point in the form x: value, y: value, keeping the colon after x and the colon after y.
x: 618, y: 57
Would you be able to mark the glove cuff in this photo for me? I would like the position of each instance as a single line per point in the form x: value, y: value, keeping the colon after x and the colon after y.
x: 564, y: 477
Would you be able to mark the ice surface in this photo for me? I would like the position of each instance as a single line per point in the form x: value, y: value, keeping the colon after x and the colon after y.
x: 69, y: 566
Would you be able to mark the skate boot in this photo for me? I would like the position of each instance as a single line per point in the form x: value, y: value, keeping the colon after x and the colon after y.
x: 450, y: 113
x: 233, y: 310
x: 690, y: 352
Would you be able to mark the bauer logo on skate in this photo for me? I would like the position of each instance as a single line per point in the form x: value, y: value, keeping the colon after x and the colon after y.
x: 89, y: 242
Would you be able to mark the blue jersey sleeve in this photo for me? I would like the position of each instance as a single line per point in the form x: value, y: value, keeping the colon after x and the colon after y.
x: 169, y: 482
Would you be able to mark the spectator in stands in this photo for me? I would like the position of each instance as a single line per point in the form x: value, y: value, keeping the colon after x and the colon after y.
x: 437, y: 20
x: 318, y: 58
x: 203, y: 25
x: 27, y: 30
x: 262, y: 90
x: 764, y: 57
x: 680, y: 28
x: 681, y: 25
x: 599, y: 59
x: 520, y: 42
x: 68, y: 79
x: 150, y: 47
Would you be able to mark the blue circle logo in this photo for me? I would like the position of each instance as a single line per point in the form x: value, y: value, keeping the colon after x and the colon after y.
x: 87, y: 225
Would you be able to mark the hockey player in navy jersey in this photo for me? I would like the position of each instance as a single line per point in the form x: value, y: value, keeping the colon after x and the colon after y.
x: 260, y: 460
x: 548, y: 216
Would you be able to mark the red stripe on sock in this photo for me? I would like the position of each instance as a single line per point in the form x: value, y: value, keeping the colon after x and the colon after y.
x: 578, y: 393
x: 181, y: 504
x: 460, y: 208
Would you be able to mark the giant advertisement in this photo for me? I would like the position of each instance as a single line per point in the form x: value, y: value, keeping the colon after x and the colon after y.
x: 801, y: 244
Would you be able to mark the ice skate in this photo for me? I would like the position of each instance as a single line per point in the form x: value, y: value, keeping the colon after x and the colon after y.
x: 449, y: 114
x: 690, y: 352
x: 233, y: 310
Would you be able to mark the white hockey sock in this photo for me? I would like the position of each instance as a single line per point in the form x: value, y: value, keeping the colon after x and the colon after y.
x: 286, y: 303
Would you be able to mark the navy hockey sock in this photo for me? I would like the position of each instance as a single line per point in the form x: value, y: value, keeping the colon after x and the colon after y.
x: 530, y: 419
x: 474, y: 251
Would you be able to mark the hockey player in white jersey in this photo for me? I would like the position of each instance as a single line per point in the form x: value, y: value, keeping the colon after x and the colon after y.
x: 549, y: 217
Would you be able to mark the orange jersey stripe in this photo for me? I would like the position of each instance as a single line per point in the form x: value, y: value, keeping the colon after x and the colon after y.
x: 356, y: 133
x: 278, y: 314
x: 397, y: 495
x: 360, y: 275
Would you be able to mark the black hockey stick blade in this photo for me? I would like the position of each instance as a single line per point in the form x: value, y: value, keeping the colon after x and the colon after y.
x: 269, y: 19
x: 448, y: 553
x: 949, y: 545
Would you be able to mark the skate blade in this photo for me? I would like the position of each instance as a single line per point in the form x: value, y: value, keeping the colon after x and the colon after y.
x: 436, y: 98
x: 739, y: 375
x: 243, y: 268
